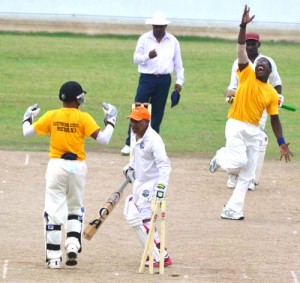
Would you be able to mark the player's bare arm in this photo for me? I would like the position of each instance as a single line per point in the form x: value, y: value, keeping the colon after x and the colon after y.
x: 283, y: 146
x: 242, y: 54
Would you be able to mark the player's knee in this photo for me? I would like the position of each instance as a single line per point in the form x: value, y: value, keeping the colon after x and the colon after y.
x: 131, y: 213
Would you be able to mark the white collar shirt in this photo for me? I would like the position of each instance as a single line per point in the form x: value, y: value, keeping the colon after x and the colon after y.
x: 168, y: 58
x: 150, y: 160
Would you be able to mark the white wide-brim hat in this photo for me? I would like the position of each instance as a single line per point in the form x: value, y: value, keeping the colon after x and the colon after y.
x: 158, y: 19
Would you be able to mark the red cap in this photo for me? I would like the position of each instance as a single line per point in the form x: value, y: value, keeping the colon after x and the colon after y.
x: 252, y: 36
x: 140, y: 113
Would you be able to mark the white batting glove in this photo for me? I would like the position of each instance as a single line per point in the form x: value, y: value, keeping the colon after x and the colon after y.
x: 159, y: 192
x: 129, y: 173
x: 280, y: 100
x: 31, y: 112
x: 111, y: 114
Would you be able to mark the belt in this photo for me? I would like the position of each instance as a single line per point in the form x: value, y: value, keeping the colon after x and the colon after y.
x: 69, y: 156
x: 156, y: 75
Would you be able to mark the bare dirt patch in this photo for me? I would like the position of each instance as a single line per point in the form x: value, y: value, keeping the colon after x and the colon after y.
x: 262, y: 248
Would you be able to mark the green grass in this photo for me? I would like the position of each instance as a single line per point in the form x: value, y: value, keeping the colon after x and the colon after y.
x: 35, y: 65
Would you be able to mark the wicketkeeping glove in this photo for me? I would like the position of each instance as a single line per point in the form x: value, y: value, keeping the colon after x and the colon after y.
x: 111, y: 114
x: 129, y: 173
x: 31, y: 112
x: 159, y: 192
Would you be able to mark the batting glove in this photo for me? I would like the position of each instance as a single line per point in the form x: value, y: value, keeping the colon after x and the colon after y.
x: 111, y: 114
x: 159, y: 192
x: 129, y: 173
x: 280, y: 100
x: 31, y: 112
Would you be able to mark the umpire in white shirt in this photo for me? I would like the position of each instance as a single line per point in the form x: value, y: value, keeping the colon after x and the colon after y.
x: 157, y: 55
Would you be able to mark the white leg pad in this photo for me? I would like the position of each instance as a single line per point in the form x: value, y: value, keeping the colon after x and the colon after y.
x: 53, y: 254
x: 132, y: 214
x: 72, y: 241
x: 135, y: 221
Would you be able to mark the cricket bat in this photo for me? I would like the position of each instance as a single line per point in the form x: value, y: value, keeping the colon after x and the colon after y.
x: 93, y: 226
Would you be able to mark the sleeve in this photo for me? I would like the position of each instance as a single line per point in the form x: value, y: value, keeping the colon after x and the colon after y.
x: 162, y: 162
x: 139, y: 56
x: 90, y: 124
x: 178, y: 65
x: 274, y: 78
x: 43, y: 125
x: 234, y: 80
x: 272, y: 108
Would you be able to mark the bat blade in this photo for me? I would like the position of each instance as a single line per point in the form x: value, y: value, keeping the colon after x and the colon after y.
x: 93, y: 226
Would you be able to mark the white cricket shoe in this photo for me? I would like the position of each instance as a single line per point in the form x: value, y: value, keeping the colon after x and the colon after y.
x: 125, y: 150
x: 53, y: 263
x: 231, y: 181
x: 230, y: 214
x: 72, y: 252
x: 252, y: 186
x: 213, y: 165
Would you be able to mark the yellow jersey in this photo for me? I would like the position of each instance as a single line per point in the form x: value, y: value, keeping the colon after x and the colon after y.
x: 68, y: 128
x: 252, y: 98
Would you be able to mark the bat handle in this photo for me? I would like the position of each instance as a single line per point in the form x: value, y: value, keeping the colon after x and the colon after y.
x: 287, y: 107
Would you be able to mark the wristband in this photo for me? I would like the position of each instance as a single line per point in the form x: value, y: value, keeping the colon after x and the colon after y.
x: 280, y: 141
x: 243, y: 25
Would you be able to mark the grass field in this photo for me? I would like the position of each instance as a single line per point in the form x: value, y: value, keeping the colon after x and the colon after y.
x: 34, y: 66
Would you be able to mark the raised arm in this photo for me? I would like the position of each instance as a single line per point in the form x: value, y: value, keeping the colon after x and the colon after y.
x: 241, y: 43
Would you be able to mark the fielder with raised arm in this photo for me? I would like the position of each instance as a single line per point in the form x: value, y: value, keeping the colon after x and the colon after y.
x: 66, y: 170
x: 149, y: 171
x: 243, y: 134
x: 253, y: 43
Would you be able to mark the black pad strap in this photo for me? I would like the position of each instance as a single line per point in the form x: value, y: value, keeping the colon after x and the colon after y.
x: 75, y: 217
x: 53, y: 247
x: 51, y: 227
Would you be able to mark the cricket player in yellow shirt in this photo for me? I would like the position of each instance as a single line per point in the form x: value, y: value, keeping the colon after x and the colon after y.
x: 66, y: 171
x: 243, y: 135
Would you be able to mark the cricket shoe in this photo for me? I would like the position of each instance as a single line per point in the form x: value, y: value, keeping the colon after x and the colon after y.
x: 53, y: 263
x: 72, y: 252
x: 213, y: 165
x: 125, y: 150
x: 231, y: 181
x: 252, y: 186
x: 168, y: 261
x: 230, y: 214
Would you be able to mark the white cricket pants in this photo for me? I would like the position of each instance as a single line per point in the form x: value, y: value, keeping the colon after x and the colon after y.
x: 240, y: 157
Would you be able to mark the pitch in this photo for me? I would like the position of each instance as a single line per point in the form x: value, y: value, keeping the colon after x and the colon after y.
x: 265, y: 247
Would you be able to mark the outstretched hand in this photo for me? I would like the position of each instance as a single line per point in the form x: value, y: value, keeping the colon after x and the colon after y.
x: 285, y: 152
x: 246, y: 18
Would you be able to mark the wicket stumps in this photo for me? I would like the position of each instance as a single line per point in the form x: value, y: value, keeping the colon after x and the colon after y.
x: 157, y: 207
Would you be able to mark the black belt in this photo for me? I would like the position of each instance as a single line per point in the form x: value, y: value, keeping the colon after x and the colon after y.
x: 69, y: 156
x: 156, y: 75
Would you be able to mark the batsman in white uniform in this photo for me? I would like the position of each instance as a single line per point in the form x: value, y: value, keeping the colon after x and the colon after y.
x: 149, y: 171
x: 254, y: 95
x: 66, y: 170
x: 252, y: 45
